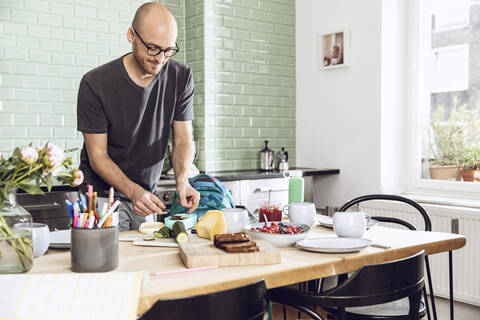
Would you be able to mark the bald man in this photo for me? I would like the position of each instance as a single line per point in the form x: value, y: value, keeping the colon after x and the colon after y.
x: 125, y: 111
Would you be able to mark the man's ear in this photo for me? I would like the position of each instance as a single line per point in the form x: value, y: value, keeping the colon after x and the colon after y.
x: 130, y: 35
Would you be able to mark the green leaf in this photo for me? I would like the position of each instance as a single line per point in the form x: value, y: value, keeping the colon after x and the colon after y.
x: 30, y: 188
x: 49, y: 182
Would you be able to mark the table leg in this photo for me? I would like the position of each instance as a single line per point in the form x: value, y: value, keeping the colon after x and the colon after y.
x: 450, y: 273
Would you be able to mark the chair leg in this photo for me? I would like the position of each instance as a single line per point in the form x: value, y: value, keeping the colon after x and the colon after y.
x: 450, y: 273
x: 284, y: 312
x: 425, y: 298
x: 414, y: 305
x: 432, y: 295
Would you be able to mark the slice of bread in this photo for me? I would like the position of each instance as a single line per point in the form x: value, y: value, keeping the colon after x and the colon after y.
x: 230, y: 238
x: 250, y: 246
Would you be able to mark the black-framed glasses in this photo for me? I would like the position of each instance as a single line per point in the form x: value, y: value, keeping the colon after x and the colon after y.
x: 155, y: 51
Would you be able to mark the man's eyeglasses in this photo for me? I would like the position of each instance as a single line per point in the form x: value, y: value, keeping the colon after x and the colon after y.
x: 155, y: 51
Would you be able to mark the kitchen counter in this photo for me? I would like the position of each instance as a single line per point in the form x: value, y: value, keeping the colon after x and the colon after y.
x: 257, y: 174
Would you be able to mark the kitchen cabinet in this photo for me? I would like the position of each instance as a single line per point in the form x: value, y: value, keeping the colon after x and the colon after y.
x: 253, y: 193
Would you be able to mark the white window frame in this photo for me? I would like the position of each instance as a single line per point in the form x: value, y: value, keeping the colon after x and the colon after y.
x: 419, y: 53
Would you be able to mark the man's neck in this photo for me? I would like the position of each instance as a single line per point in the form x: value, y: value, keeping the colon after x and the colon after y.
x: 136, y: 73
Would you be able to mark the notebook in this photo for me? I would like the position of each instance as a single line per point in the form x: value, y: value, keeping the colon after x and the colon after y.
x: 71, y: 296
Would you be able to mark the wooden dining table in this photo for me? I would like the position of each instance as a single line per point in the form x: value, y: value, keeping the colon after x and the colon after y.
x: 297, y: 265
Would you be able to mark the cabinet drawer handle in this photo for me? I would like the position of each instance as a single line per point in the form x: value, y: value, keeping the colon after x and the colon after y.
x: 258, y: 190
x: 46, y: 206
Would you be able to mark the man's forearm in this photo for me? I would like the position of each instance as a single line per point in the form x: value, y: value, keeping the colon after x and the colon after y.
x: 113, y: 175
x: 182, y: 159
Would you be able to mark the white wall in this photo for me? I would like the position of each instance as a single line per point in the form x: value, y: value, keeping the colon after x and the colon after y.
x: 338, y: 110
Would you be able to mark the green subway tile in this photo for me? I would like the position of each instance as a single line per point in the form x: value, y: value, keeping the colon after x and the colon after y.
x: 243, y: 100
x: 233, y: 88
x: 233, y: 132
x: 224, y: 122
x: 223, y: 99
x: 241, y: 143
x: 234, y: 154
x: 224, y: 165
x: 232, y: 66
x: 25, y: 120
x: 241, y: 165
x: 251, y: 89
x: 251, y: 111
x: 233, y: 110
x: 232, y: 44
x: 223, y: 143
x: 241, y: 34
x: 258, y: 36
x: 259, y: 122
x: 267, y: 5
x: 214, y: 132
x: 241, y: 12
x: 250, y: 4
x: 251, y: 132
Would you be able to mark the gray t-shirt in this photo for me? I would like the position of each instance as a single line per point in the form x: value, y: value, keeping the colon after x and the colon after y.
x: 137, y: 120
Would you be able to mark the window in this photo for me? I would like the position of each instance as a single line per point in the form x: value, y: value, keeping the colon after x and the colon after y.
x: 450, y: 69
x: 445, y: 95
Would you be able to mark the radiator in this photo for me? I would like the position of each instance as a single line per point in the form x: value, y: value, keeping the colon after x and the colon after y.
x: 466, y: 261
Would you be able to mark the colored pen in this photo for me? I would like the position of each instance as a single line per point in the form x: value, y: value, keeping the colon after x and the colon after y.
x: 110, y: 211
x: 110, y: 197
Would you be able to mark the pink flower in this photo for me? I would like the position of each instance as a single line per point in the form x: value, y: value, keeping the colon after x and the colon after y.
x: 77, y: 177
x: 55, y: 156
x: 29, y: 155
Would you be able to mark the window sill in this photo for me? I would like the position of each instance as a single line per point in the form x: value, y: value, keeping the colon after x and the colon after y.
x: 443, y: 200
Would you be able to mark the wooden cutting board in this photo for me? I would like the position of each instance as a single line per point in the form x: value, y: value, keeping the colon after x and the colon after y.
x: 201, y: 252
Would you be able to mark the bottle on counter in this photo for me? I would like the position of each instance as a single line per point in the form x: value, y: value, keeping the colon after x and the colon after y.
x: 295, y: 186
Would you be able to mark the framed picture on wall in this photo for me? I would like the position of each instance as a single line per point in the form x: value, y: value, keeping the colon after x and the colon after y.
x: 333, y: 50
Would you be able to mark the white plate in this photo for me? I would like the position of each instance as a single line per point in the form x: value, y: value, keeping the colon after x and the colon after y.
x: 60, y: 239
x: 327, y: 222
x: 334, y: 245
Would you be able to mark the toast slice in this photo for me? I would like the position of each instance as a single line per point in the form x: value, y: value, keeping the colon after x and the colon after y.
x: 250, y: 246
x: 238, y: 237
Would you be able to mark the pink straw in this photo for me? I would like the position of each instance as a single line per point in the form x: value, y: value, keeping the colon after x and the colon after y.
x: 161, y: 273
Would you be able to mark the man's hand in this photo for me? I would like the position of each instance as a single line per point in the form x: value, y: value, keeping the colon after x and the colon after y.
x: 146, y: 203
x: 188, y: 196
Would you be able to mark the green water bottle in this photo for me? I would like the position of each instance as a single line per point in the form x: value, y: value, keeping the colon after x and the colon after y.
x: 295, y: 186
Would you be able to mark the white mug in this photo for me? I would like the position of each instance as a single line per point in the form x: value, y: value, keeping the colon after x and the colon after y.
x: 301, y: 213
x: 236, y: 219
x: 349, y: 224
x: 40, y: 237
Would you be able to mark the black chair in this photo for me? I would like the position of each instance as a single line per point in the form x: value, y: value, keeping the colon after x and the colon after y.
x: 248, y: 302
x: 370, y: 285
x: 428, y: 227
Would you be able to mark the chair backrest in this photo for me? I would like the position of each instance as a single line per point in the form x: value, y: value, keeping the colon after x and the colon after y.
x: 242, y: 303
x: 418, y: 207
x: 379, y: 283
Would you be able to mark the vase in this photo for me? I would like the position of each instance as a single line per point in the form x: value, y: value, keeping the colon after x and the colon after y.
x: 16, y: 249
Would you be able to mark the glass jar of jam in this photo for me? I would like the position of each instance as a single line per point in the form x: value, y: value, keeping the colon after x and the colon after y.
x: 273, y: 212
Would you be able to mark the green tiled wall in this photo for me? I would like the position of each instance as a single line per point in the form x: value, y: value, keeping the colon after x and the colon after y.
x: 242, y: 53
x: 45, y: 48
x: 249, y: 81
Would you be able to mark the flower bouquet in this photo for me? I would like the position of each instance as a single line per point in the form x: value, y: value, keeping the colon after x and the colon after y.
x: 28, y: 169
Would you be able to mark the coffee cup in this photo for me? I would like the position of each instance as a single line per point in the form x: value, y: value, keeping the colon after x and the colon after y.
x: 40, y: 236
x: 301, y: 213
x: 236, y: 219
x: 349, y: 224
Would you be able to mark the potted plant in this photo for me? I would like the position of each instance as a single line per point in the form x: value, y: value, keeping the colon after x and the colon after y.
x: 470, y: 162
x: 447, y: 144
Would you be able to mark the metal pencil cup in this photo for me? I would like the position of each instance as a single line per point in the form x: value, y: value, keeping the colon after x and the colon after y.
x: 94, y: 250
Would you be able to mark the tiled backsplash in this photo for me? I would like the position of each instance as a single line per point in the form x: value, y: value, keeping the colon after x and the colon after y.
x: 249, y: 80
x: 242, y: 53
x: 45, y: 48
